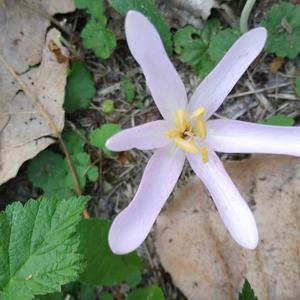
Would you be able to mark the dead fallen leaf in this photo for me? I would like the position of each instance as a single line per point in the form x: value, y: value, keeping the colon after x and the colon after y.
x: 203, y: 260
x: 200, y: 8
x: 276, y: 64
x: 23, y: 132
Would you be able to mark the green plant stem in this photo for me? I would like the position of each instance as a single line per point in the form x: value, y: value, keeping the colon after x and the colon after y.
x: 245, y: 15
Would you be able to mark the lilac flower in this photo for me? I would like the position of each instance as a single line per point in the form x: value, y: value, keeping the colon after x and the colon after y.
x: 186, y: 132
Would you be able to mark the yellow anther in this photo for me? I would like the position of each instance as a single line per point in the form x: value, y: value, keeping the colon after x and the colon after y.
x: 198, y: 113
x: 181, y: 120
x: 173, y: 133
x: 204, y: 153
x: 201, y: 128
x: 188, y: 146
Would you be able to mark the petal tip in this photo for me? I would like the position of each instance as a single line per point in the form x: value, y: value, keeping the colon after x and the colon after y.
x: 250, y: 241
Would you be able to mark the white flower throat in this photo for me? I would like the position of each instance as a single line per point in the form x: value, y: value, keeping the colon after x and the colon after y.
x: 189, y: 130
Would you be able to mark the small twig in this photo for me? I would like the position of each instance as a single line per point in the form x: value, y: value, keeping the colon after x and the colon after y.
x: 245, y: 15
x: 118, y: 293
x: 237, y: 95
x: 54, y: 129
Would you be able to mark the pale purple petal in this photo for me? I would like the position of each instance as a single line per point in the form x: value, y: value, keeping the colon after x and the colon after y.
x: 231, y: 136
x: 164, y: 82
x: 234, y: 211
x: 132, y: 225
x: 217, y: 85
x: 148, y: 136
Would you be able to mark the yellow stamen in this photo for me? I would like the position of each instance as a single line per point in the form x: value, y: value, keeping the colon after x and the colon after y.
x: 198, y: 113
x: 201, y: 128
x: 173, y: 133
x: 204, y: 153
x: 181, y: 120
x: 188, y: 146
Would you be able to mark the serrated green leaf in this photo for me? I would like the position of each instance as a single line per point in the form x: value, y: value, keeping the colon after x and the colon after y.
x: 98, y: 38
x: 46, y: 172
x: 147, y: 8
x: 93, y: 174
x: 74, y: 143
x: 80, y: 88
x: 107, y: 297
x: 99, y: 136
x: 297, y: 83
x: 279, y: 120
x: 83, y: 158
x: 221, y: 42
x: 210, y: 31
x: 283, y: 24
x: 150, y: 293
x: 104, y: 267
x: 38, y: 247
x: 108, y: 106
x: 203, y: 50
x: 247, y: 292
x: 128, y: 88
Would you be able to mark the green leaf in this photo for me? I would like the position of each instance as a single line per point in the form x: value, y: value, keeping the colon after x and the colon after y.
x: 99, y: 39
x: 279, y: 120
x: 297, y: 83
x: 127, y: 88
x: 221, y: 42
x: 104, y: 267
x: 147, y: 8
x: 99, y: 136
x: 107, y: 297
x: 80, y: 88
x: 94, y: 7
x: 38, y: 247
x: 203, y: 50
x: 45, y: 171
x: 150, y: 293
x: 93, y: 174
x: 108, y: 106
x: 283, y: 24
x: 247, y: 292
x: 74, y: 142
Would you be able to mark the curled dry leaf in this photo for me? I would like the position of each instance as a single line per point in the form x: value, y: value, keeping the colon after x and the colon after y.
x: 23, y: 131
x: 200, y: 8
x: 204, y: 261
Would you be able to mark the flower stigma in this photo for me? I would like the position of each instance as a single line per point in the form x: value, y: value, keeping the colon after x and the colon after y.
x: 189, y: 130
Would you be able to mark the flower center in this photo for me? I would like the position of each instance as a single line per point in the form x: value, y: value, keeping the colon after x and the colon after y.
x: 189, y: 130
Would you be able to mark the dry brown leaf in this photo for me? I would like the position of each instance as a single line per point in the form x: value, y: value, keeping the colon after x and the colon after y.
x: 22, y: 30
x: 23, y: 131
x: 276, y: 64
x: 200, y: 8
x: 203, y: 260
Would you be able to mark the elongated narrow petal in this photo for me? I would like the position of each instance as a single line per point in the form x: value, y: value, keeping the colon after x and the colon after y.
x: 148, y: 136
x: 146, y: 46
x: 243, y: 137
x: 217, y: 85
x: 132, y: 225
x: 234, y: 211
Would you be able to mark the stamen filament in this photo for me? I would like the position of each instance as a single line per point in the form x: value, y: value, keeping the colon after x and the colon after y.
x: 204, y: 154
x: 198, y: 113
x: 173, y: 133
x: 201, y: 128
x: 188, y: 146
x: 181, y: 120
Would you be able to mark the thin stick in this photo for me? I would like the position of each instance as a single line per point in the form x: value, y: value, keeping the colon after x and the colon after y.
x: 245, y: 15
x: 55, y: 130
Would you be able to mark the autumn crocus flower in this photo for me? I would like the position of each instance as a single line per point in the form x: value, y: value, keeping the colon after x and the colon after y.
x: 186, y: 132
